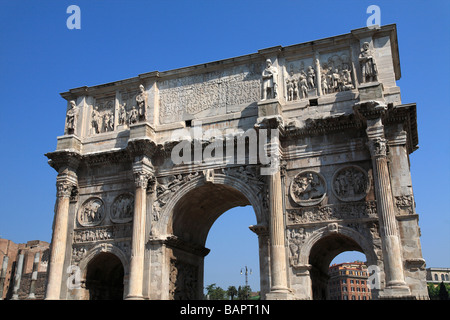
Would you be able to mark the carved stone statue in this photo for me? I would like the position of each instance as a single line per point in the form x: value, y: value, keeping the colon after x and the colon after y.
x: 133, y: 117
x: 141, y: 100
x: 71, y: 118
x: 95, y: 120
x: 368, y: 65
x: 269, y: 78
x: 122, y: 114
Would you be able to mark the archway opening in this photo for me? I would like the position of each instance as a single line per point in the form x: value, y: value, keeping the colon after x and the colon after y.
x: 104, y: 277
x: 233, y: 261
x: 321, y: 256
x: 193, y: 216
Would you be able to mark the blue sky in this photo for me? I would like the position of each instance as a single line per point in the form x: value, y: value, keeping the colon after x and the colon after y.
x: 40, y: 58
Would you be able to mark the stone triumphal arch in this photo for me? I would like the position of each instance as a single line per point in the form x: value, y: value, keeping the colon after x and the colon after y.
x: 313, y: 136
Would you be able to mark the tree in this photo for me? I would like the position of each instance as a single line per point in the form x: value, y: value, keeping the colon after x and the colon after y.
x: 443, y: 294
x: 231, y: 292
x: 215, y: 293
x: 244, y: 292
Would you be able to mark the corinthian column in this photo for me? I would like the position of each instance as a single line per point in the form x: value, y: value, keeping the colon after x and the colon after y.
x: 278, y: 289
x: 142, y: 173
x: 390, y: 238
x: 64, y: 185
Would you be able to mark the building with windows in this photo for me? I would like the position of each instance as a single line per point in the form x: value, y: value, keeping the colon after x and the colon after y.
x: 348, y: 281
x: 438, y: 275
x: 23, y: 269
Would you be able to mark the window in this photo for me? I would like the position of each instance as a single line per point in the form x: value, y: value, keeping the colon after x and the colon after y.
x: 436, y: 277
x: 442, y: 277
x: 446, y: 277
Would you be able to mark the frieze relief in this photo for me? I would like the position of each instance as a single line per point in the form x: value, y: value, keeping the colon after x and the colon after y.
x: 317, y: 214
x: 102, y: 233
x: 213, y: 90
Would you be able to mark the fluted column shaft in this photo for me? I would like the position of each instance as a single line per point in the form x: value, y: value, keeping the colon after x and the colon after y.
x: 59, y: 238
x: 142, y: 176
x: 277, y: 241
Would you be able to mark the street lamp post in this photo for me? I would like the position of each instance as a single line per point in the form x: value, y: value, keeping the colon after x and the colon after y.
x: 246, y: 272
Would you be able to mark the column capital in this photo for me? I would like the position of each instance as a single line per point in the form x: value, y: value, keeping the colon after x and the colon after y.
x: 143, y: 171
x: 377, y: 147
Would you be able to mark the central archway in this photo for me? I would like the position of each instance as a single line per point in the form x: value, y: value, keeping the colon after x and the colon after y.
x: 191, y: 215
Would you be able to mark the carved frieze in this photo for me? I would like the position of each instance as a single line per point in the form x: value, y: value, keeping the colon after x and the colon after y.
x: 112, y: 232
x: 350, y: 183
x: 315, y: 214
x: 213, y: 90
x: 308, y: 188
x: 122, y: 208
x: 92, y: 212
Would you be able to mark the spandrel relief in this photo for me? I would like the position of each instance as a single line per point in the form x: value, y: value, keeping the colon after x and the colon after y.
x: 91, y: 212
x: 350, y: 183
x: 308, y: 188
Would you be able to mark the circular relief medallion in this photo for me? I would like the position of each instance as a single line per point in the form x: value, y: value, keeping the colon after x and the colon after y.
x: 92, y: 212
x: 351, y: 183
x: 122, y: 208
x: 308, y: 188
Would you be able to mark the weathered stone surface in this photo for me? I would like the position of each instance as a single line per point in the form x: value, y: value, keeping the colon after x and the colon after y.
x: 314, y: 136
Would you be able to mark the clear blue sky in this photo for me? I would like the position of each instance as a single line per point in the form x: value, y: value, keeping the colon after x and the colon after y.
x: 40, y: 57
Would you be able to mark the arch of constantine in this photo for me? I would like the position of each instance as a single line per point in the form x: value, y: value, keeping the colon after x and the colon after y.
x: 313, y: 136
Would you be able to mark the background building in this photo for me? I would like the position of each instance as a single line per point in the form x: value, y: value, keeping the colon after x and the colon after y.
x: 348, y: 281
x: 438, y: 275
x: 23, y: 269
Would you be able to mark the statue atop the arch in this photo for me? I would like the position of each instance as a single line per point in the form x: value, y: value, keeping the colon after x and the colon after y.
x: 269, y: 78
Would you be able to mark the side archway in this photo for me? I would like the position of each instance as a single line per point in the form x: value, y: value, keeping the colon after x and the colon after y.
x: 104, y: 271
x: 323, y: 246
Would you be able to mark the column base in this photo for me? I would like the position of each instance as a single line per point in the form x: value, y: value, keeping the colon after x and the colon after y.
x: 134, y: 298
x: 282, y: 294
x: 396, y: 292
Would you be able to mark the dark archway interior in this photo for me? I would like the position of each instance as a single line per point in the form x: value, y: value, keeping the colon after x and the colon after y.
x: 196, y: 212
x: 321, y: 255
x: 104, y: 278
